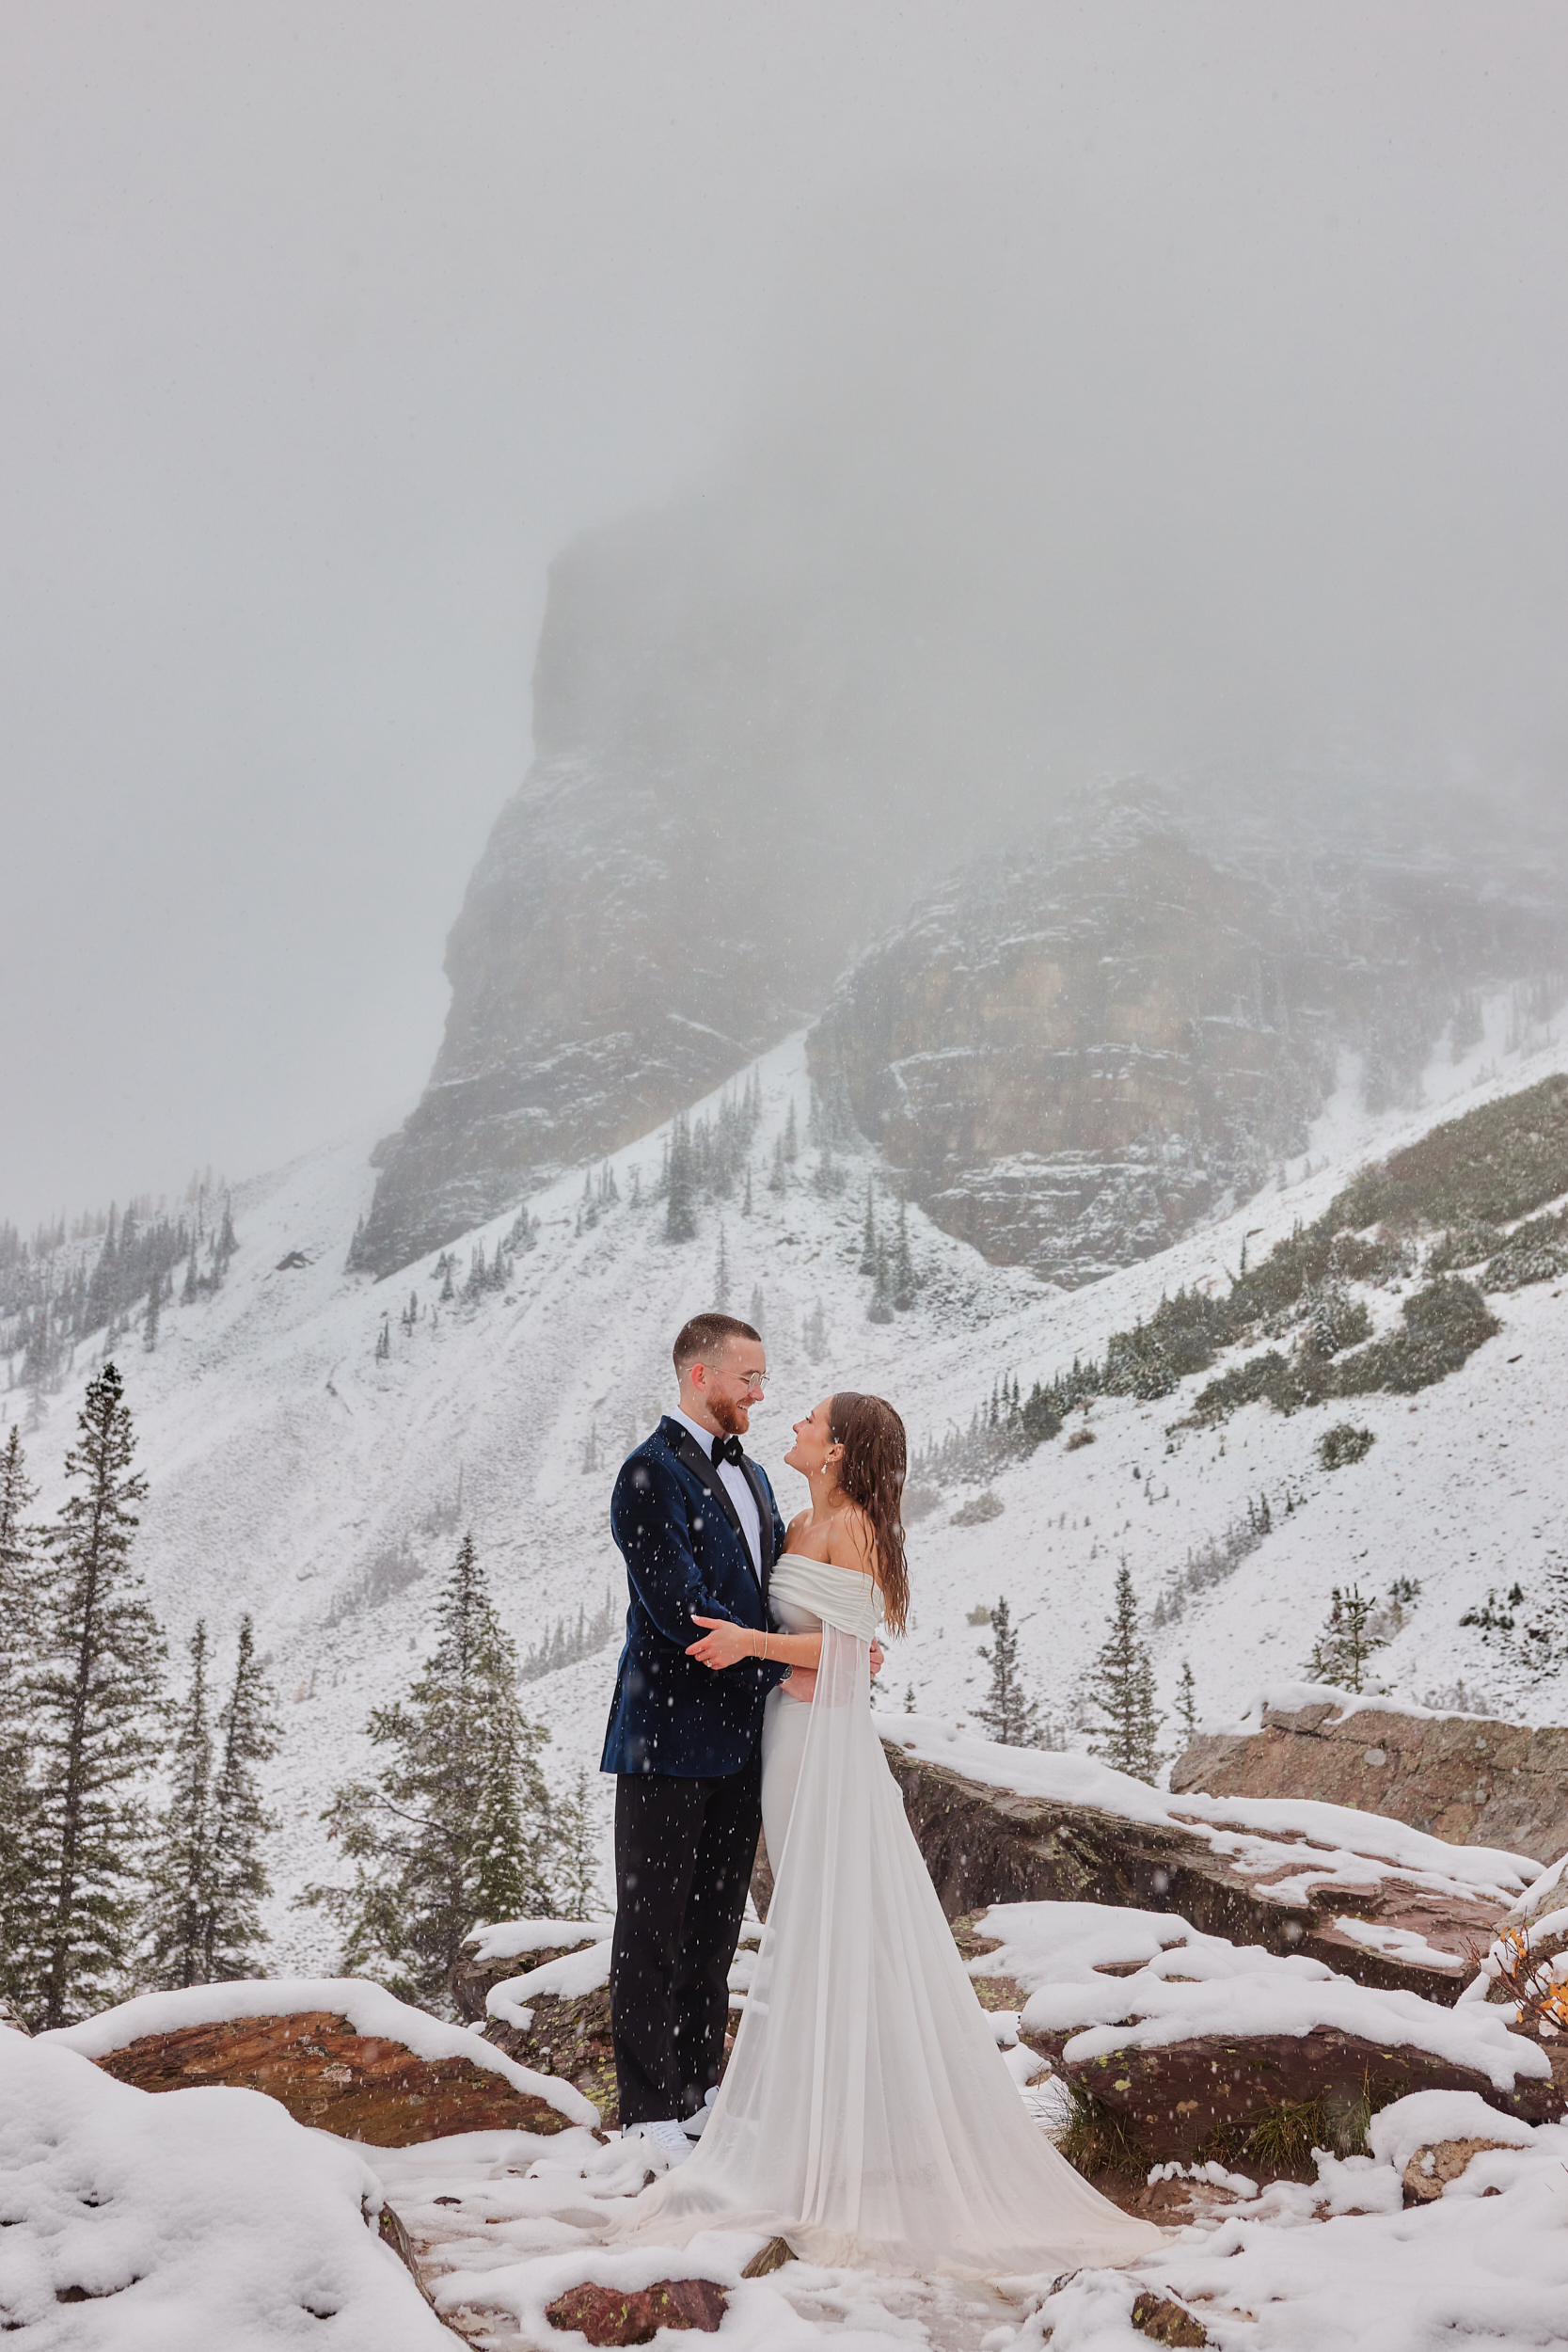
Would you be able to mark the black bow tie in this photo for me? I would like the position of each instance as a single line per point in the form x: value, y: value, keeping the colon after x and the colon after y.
x: 728, y: 1450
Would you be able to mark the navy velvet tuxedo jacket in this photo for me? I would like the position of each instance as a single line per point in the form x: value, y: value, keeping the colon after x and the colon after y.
x: 685, y: 1553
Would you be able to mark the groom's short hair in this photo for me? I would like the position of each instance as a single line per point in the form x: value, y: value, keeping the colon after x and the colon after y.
x: 704, y: 1334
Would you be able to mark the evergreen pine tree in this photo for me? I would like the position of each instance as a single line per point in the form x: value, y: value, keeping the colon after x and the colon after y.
x: 1009, y: 1715
x: 178, y: 1874
x: 94, y: 1694
x: 777, y: 1179
x: 1346, y: 1642
x: 756, y: 1314
x: 456, y: 1825
x: 721, y: 1275
x: 193, y: 1280
x: 680, y: 1215
x: 1121, y: 1688
x: 902, y: 1273
x: 448, y: 1292
x: 18, y: 1617
x: 791, y: 1134
x: 868, y: 1234
x: 1186, y: 1702
x: 577, y: 1851
x: 746, y: 1203
x: 238, y: 1884
x: 154, y: 1309
x: 880, y: 1309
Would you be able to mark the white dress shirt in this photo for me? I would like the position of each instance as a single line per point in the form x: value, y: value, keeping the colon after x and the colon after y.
x: 736, y: 1485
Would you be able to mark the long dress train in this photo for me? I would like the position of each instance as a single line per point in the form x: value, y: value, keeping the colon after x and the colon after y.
x: 866, y: 2114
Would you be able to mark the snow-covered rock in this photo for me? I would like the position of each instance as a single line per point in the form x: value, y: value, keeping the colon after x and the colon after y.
x: 337, y: 2052
x: 180, y: 2224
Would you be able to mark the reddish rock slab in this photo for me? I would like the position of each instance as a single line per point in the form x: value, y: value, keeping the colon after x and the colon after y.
x: 1181, y: 2100
x: 360, y: 2086
x: 610, y: 2316
x: 1470, y: 1782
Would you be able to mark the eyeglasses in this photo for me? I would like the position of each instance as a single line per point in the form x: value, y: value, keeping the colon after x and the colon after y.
x: 757, y: 1381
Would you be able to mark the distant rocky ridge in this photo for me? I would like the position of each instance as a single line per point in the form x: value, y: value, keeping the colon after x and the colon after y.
x: 1076, y: 1049
x: 1071, y: 1049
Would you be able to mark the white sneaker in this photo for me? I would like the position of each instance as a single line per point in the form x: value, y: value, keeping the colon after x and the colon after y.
x: 695, y: 2125
x: 666, y: 2139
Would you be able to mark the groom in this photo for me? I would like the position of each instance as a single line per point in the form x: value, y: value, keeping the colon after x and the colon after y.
x: 696, y: 1520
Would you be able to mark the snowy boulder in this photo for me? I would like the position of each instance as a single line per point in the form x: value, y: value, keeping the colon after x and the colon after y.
x: 205, y: 2220
x: 1191, y: 2044
x: 1378, y: 1901
x: 552, y: 2015
x: 336, y: 2052
x: 491, y: 1955
x: 1458, y: 1777
x: 621, y: 2316
x: 1432, y: 2140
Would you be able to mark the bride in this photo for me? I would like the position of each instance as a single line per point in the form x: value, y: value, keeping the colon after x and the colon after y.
x: 866, y: 2115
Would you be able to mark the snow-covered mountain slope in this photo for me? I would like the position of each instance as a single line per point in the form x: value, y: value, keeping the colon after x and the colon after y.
x: 296, y: 1474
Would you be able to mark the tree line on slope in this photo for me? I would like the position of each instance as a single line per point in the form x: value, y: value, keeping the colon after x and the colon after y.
x: 1456, y: 1190
x: 47, y: 1308
x: 102, y: 1892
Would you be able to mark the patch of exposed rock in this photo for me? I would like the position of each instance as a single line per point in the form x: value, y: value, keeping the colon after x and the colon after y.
x: 1179, y: 2099
x: 1472, y: 1783
x: 567, y: 2034
x: 359, y: 2086
x: 984, y: 1844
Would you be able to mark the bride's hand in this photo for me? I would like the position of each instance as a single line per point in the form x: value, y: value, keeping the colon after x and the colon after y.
x: 724, y: 1645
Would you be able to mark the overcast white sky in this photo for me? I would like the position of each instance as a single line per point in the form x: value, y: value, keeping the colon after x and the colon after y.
x: 324, y: 325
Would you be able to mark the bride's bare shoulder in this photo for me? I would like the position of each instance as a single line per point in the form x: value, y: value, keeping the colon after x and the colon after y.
x: 853, y: 1541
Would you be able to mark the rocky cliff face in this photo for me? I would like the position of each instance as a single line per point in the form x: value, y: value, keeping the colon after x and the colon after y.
x: 673, y: 887
x: 1073, y: 1051
x: 1076, y: 1051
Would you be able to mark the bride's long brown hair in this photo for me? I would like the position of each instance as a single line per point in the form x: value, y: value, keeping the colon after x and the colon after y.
x: 871, y: 1474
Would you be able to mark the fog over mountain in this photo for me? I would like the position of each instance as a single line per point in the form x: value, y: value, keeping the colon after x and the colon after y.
x: 922, y: 418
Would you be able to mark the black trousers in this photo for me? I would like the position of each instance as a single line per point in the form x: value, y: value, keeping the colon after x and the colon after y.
x: 684, y: 1851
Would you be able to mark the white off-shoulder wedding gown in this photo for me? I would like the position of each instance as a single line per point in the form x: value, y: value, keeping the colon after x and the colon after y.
x: 866, y: 2114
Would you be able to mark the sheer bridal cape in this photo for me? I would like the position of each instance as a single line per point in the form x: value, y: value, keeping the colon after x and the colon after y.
x: 866, y: 2114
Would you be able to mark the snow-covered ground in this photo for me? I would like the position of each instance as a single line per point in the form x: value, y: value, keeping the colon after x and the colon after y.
x: 185, y: 2223
x: 505, y: 2225
x: 288, y: 1464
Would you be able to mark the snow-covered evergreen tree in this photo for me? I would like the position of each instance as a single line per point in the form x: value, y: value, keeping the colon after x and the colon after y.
x: 232, y: 1933
x: 456, y: 1827
x: 180, y: 1867
x: 902, y: 1268
x: 680, y: 1215
x: 755, y: 1312
x: 868, y: 1234
x: 1186, y: 1702
x: 1341, y: 1652
x: 880, y: 1309
x: 95, y: 1695
x: 1009, y: 1715
x: 577, y: 1853
x: 722, y: 1274
x: 19, y: 1618
x: 1121, y: 1689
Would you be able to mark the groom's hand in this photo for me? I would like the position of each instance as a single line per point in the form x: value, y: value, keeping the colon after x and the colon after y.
x: 877, y: 1661
x: 722, y: 1645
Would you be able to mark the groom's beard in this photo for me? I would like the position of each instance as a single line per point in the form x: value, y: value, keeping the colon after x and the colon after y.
x: 734, y: 1420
